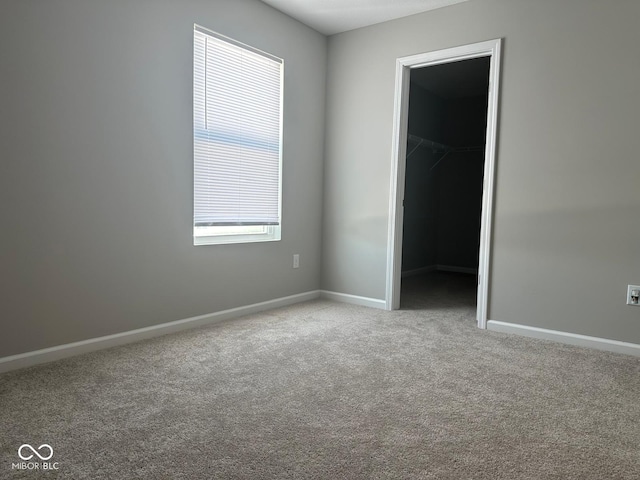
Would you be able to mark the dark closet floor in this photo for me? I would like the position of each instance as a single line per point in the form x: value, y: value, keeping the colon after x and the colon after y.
x: 439, y: 290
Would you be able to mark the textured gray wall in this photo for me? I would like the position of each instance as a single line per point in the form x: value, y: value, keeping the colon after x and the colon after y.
x: 96, y: 168
x: 566, y: 236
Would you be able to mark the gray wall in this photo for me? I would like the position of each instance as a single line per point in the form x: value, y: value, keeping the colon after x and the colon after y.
x: 566, y: 236
x: 96, y: 168
x: 96, y: 163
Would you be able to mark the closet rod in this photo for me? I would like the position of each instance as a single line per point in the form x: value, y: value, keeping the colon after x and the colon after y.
x: 435, y: 146
x: 423, y: 142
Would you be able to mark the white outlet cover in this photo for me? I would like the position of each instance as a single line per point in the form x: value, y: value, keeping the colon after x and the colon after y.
x: 630, y: 288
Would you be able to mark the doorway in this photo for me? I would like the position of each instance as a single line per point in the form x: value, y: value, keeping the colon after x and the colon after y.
x: 443, y: 182
x: 443, y: 163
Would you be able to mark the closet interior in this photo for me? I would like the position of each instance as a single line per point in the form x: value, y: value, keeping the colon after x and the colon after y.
x: 444, y: 175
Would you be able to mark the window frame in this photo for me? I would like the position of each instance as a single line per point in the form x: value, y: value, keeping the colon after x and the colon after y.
x: 239, y: 233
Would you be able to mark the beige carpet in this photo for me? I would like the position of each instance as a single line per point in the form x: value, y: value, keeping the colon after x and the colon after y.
x: 323, y: 390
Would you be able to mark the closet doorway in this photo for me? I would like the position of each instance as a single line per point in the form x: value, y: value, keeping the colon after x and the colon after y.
x: 442, y: 185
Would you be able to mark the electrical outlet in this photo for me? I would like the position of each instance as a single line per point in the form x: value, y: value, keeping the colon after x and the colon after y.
x: 296, y: 260
x: 633, y: 295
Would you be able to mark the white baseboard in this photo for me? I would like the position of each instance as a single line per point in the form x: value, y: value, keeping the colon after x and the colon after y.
x: 418, y: 271
x: 45, y: 355
x: 453, y: 268
x: 354, y: 299
x: 566, y: 337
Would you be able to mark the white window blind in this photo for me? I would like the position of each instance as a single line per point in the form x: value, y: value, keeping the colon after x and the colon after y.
x: 237, y: 130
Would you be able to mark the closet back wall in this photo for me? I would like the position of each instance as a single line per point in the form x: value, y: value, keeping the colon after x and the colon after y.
x: 443, y: 198
x: 420, y: 223
x: 460, y: 183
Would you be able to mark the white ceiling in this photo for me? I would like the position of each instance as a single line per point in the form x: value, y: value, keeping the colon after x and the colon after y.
x: 335, y: 16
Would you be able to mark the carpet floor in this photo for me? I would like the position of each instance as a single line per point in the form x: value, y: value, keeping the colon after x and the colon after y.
x: 323, y: 390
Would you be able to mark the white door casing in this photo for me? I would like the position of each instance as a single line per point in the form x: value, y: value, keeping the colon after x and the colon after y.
x: 404, y: 65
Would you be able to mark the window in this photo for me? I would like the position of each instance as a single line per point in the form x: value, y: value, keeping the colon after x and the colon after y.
x: 237, y: 141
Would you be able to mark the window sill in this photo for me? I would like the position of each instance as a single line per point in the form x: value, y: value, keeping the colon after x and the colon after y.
x: 272, y: 236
